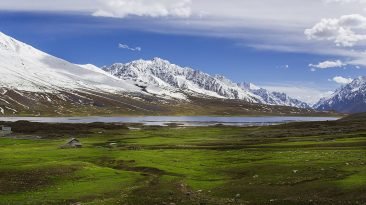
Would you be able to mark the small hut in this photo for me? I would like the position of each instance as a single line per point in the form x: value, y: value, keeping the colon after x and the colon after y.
x: 72, y: 143
x: 4, y: 130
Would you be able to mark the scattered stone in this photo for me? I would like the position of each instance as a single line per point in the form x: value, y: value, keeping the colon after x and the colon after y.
x: 237, y: 196
x: 295, y: 171
x: 72, y: 143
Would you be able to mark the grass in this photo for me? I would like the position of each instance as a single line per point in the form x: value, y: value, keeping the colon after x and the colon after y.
x: 297, y: 163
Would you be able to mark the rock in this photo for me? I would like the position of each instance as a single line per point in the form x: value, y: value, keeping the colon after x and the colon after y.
x: 295, y: 171
x: 237, y: 196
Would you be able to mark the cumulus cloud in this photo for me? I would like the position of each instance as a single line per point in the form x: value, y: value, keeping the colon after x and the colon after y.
x: 327, y: 64
x: 342, y: 80
x: 151, y: 8
x: 345, y: 31
x: 124, y: 46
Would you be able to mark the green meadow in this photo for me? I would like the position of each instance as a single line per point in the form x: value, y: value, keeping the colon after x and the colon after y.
x: 296, y: 163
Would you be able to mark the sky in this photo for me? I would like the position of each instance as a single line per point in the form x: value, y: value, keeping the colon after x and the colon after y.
x: 304, y: 48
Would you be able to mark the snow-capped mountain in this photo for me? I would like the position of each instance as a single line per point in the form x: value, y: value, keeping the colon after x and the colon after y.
x: 273, y: 98
x: 172, y: 77
x: 350, y: 98
x: 28, y: 69
x: 33, y: 82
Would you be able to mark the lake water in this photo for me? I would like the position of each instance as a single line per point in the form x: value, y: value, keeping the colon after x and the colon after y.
x: 183, y: 121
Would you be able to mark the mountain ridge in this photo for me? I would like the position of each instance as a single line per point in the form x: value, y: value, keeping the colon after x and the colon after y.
x: 350, y: 98
x: 39, y: 84
x: 170, y: 76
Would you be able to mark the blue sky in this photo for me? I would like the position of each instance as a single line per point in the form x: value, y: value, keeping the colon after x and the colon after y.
x: 271, y: 50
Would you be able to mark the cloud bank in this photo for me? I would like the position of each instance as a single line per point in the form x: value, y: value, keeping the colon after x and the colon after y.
x: 151, y: 8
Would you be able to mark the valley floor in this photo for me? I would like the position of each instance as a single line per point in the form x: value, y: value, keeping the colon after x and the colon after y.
x: 296, y: 163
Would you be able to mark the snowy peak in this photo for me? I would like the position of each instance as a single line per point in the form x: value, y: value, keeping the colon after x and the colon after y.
x: 350, y: 98
x: 29, y: 69
x: 9, y: 44
x: 249, y: 86
x: 273, y: 98
x: 172, y: 77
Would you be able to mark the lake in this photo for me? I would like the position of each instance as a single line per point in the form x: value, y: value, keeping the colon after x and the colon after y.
x: 181, y: 120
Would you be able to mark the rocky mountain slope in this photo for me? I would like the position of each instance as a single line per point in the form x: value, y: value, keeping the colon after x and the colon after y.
x: 35, y: 83
x: 165, y: 75
x: 273, y: 98
x: 350, y: 98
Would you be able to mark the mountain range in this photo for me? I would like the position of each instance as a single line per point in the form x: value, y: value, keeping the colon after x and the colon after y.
x: 350, y: 98
x: 36, y: 83
x: 167, y: 76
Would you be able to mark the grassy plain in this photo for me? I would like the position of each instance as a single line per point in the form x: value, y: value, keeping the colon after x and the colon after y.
x: 296, y: 163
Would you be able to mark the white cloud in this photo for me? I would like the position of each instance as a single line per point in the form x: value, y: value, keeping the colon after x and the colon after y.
x: 342, y: 80
x: 345, y: 31
x: 47, y: 5
x: 264, y: 24
x: 327, y: 64
x: 344, y: 1
x: 124, y: 46
x: 151, y: 8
